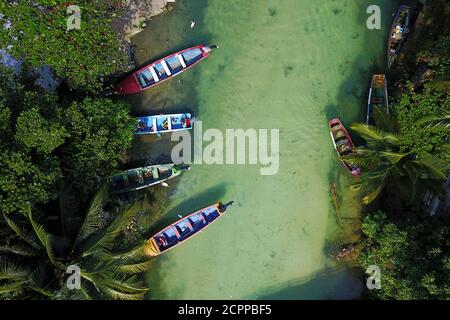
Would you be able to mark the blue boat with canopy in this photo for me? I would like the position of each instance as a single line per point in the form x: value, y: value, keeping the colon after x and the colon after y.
x: 163, y: 123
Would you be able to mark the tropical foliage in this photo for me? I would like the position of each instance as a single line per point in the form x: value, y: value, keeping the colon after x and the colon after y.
x: 56, y: 150
x: 428, y: 45
x: 385, y: 161
x: 413, y: 256
x: 34, y: 263
x: 46, y: 142
x: 433, y: 44
x: 408, y: 152
x: 417, y: 114
x: 37, y: 32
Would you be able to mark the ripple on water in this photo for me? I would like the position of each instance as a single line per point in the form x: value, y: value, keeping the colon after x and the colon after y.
x: 284, y: 65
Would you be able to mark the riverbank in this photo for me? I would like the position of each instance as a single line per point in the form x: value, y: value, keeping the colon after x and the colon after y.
x: 137, y: 14
x: 406, y: 231
x: 418, y: 62
x: 277, y: 232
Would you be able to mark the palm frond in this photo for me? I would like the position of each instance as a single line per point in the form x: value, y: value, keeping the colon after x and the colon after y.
x: 373, y: 183
x: 136, y: 267
x: 116, y: 286
x: 364, y: 158
x: 94, y: 218
x: 122, y: 283
x: 11, y: 270
x: 43, y: 292
x: 13, y: 286
x: 138, y: 251
x: 19, y: 250
x: 367, y: 132
x: 439, y: 120
x: 375, y: 138
x: 384, y: 120
x: 370, y: 196
x: 24, y: 235
x: 76, y: 294
x: 103, y: 241
x: 393, y: 157
x: 431, y: 169
x: 118, y: 295
x: 45, y: 238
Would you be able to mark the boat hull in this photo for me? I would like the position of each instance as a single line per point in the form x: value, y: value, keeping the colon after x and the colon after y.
x: 184, y: 229
x: 162, y: 70
x: 144, y: 177
x: 163, y: 123
x: 398, y: 32
x: 378, y: 96
x: 343, y: 144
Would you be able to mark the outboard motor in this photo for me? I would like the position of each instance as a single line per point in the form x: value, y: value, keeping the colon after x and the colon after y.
x: 208, y: 49
x: 224, y: 207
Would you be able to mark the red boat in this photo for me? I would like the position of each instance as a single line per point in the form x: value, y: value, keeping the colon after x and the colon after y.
x: 343, y: 144
x: 185, y: 228
x: 162, y: 70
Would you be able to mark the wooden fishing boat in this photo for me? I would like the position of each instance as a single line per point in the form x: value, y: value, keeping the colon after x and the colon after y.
x: 398, y: 32
x: 185, y: 228
x: 378, y: 96
x: 140, y: 178
x: 163, y: 123
x: 162, y: 70
x: 343, y: 144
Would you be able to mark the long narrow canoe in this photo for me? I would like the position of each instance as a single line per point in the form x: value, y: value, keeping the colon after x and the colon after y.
x: 140, y: 178
x: 185, y: 228
x: 399, y: 30
x: 378, y: 96
x: 343, y: 144
x: 163, y: 123
x: 162, y: 70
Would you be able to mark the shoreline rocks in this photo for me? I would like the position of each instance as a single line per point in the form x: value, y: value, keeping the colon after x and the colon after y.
x: 136, y: 15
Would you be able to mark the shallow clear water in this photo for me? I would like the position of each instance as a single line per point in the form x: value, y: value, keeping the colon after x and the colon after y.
x: 289, y: 65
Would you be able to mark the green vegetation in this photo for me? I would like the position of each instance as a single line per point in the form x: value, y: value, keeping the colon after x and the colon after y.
x: 428, y: 45
x: 38, y: 34
x: 57, y: 149
x: 37, y: 260
x: 413, y: 255
x: 415, y: 109
x: 408, y: 154
x: 387, y: 162
x: 47, y: 143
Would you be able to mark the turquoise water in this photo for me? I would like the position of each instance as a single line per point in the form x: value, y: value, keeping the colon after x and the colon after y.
x: 287, y: 65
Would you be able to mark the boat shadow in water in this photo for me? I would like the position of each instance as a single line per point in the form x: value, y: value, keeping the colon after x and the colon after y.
x: 191, y: 204
x: 166, y: 34
x: 319, y: 286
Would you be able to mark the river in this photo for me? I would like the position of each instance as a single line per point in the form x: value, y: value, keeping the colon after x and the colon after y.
x: 287, y: 65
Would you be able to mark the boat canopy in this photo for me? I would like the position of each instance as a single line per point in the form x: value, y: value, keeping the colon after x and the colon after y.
x: 139, y: 178
x: 163, y: 123
x: 186, y: 227
x: 192, y: 56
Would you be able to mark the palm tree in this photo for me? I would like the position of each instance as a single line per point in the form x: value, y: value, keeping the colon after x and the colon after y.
x: 383, y: 163
x: 35, y: 266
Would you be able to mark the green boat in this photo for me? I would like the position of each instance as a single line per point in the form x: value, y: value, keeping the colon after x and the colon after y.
x: 144, y: 177
x: 378, y: 97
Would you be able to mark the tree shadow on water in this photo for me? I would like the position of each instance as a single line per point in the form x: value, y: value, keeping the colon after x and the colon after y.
x: 192, y: 204
x: 330, y: 284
